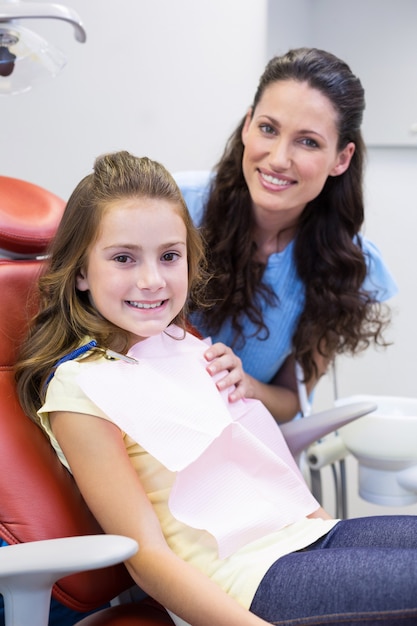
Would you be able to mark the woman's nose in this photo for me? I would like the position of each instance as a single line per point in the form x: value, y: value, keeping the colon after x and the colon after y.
x: 280, y: 154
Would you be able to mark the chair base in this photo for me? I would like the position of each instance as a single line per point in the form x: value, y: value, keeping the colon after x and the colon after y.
x: 144, y: 613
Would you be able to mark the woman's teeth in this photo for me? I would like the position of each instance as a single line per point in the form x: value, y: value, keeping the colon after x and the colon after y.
x: 274, y: 180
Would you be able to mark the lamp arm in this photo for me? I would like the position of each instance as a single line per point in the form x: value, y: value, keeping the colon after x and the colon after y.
x: 16, y: 11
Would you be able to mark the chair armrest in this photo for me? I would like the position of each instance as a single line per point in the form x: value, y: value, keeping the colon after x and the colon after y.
x: 29, y: 570
x: 178, y: 621
x: 301, y: 433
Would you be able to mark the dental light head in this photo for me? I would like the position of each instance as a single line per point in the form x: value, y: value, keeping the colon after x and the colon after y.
x: 25, y: 57
x: 7, y: 58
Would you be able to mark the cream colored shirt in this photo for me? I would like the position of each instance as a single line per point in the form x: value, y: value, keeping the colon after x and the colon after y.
x: 239, y: 574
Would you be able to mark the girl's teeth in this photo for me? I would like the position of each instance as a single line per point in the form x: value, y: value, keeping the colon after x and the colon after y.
x: 142, y: 305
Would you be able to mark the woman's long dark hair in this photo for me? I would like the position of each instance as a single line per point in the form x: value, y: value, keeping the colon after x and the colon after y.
x: 338, y: 315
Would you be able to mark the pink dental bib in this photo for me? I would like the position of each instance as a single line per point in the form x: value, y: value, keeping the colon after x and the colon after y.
x: 235, y: 476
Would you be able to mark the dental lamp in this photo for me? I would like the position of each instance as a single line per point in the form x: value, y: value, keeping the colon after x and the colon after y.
x: 25, y: 57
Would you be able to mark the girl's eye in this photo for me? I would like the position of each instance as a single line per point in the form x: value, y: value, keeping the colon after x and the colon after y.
x: 170, y: 256
x: 122, y: 258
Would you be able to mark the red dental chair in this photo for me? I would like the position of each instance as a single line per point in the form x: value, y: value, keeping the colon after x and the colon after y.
x: 38, y: 498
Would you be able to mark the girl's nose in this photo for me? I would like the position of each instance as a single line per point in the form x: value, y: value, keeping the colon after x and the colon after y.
x: 150, y: 277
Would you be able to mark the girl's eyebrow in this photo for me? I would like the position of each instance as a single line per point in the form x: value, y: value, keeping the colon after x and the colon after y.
x: 136, y: 247
x: 124, y: 246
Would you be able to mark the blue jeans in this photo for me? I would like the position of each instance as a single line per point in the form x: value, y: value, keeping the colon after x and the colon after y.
x: 363, y: 572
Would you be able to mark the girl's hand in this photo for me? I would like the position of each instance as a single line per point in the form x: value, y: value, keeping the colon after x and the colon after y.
x: 221, y: 358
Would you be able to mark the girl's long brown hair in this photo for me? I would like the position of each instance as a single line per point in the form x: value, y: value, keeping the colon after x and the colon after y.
x: 65, y: 316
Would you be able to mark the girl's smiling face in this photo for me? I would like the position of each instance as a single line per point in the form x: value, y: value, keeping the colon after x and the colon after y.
x: 137, y: 270
x: 290, y: 148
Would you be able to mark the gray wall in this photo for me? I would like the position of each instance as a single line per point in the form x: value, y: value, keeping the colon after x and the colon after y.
x: 157, y: 77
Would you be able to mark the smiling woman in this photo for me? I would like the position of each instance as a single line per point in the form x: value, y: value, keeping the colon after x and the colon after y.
x: 281, y: 214
x: 287, y: 159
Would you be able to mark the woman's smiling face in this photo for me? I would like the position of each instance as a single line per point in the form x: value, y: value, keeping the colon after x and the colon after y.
x: 137, y: 270
x: 290, y: 148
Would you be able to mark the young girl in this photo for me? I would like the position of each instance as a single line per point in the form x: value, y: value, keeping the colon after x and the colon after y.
x: 228, y: 531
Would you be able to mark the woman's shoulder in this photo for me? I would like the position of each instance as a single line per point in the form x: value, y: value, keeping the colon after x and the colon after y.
x: 194, y: 186
x: 193, y: 179
x: 379, y: 281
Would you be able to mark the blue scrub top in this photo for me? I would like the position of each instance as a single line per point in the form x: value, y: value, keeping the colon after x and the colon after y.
x: 262, y: 358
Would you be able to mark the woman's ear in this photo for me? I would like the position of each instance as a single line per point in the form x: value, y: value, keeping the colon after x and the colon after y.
x: 246, y: 125
x: 343, y: 160
x: 81, y: 281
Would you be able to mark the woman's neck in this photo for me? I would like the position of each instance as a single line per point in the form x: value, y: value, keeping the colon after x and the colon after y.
x: 272, y: 241
x: 273, y: 231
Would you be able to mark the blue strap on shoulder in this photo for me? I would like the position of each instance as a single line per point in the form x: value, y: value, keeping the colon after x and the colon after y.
x: 72, y: 355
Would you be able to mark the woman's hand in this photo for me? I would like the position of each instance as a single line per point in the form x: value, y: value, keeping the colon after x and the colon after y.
x: 221, y: 358
x: 280, y: 398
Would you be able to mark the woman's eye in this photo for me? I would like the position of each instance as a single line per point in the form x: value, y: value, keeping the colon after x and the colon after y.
x: 267, y: 129
x: 310, y: 143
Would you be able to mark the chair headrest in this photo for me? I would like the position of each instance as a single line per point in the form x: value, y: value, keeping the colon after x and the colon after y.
x: 29, y: 217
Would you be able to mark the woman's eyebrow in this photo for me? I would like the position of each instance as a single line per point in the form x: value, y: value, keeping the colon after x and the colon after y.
x: 276, y: 122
